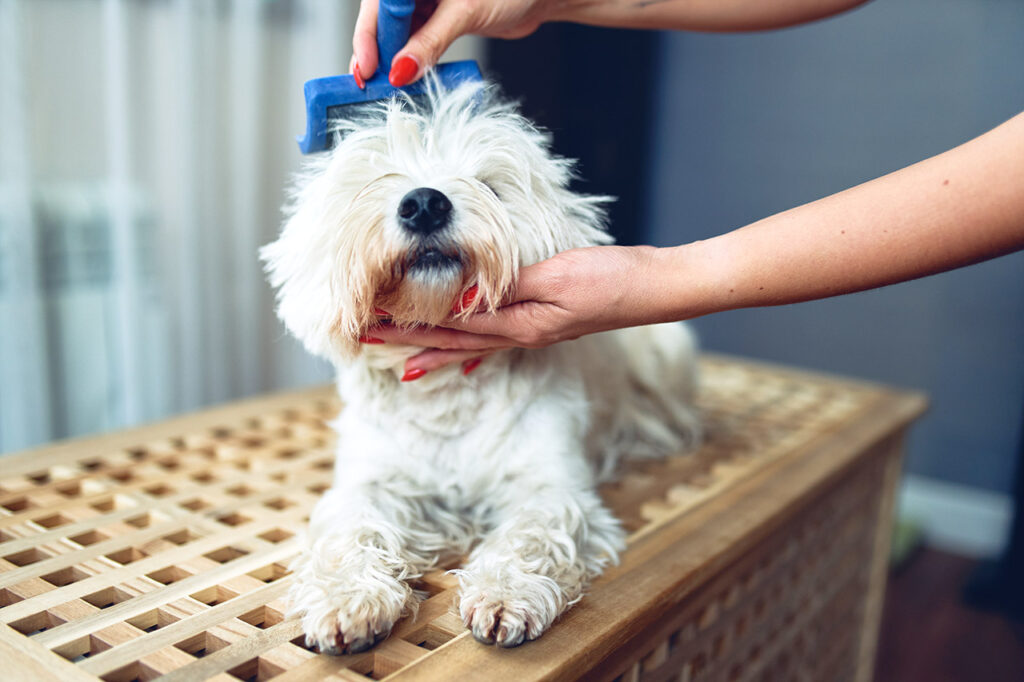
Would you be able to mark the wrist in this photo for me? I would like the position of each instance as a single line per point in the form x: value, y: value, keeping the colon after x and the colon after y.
x: 696, y: 280
x: 577, y: 11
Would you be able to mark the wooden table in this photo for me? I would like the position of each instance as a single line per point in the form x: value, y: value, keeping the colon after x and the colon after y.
x: 162, y: 551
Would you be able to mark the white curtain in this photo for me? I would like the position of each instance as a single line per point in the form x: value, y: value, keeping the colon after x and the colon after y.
x: 144, y: 151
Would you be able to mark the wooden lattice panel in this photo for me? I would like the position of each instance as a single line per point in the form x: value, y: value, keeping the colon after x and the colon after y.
x: 162, y: 552
x: 785, y: 612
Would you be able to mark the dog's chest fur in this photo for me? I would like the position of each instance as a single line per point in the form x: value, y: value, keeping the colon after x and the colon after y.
x: 462, y: 435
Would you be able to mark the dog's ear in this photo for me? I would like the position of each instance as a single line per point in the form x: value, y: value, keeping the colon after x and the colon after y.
x: 331, y: 258
x: 309, y: 300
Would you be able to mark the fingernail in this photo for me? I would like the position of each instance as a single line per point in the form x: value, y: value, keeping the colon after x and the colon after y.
x: 413, y: 374
x: 359, y: 79
x: 381, y: 311
x: 469, y: 365
x: 370, y: 339
x: 402, y: 71
x: 467, y: 299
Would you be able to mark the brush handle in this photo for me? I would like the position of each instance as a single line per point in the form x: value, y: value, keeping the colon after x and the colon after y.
x: 393, y: 20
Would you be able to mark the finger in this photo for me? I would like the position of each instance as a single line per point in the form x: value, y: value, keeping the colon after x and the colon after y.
x: 425, y: 46
x: 508, y: 323
x: 437, y: 337
x: 520, y: 309
x: 531, y: 285
x: 353, y: 68
x: 364, y: 40
x: 435, y: 358
x: 534, y: 283
x: 421, y: 14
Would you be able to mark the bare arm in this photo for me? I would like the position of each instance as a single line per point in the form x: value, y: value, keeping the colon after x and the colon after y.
x: 960, y: 207
x: 698, y: 15
x: 954, y: 209
x: 438, y: 23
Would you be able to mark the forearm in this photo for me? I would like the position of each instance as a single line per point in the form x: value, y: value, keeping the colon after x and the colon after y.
x: 697, y: 15
x: 957, y: 208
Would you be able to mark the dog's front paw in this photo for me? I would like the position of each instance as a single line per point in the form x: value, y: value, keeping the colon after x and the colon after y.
x: 347, y: 614
x: 345, y: 623
x: 505, y: 605
x: 505, y: 622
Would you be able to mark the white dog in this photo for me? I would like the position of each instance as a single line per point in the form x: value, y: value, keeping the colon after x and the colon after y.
x: 415, y: 204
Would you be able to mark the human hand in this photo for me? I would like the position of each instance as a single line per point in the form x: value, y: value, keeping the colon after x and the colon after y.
x: 435, y: 25
x: 577, y: 292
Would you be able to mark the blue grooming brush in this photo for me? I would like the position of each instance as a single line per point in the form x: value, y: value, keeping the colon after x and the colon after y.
x: 337, y: 97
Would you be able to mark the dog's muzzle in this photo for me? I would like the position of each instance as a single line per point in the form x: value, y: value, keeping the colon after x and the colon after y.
x: 424, y: 211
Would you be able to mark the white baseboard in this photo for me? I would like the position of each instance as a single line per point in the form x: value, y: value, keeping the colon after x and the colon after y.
x: 955, y: 518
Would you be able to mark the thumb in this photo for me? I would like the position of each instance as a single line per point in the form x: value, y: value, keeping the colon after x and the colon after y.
x: 532, y: 284
x: 528, y: 286
x: 425, y: 46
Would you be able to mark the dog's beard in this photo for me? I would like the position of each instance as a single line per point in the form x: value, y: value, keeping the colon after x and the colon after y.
x: 434, y: 278
x: 419, y: 280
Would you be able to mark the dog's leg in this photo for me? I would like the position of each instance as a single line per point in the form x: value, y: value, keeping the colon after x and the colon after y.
x: 351, y: 583
x: 536, y: 562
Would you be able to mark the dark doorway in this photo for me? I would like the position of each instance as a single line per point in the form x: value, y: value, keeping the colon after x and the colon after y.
x: 592, y: 88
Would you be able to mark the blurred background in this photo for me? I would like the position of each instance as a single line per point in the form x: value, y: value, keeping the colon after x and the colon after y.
x: 145, y: 146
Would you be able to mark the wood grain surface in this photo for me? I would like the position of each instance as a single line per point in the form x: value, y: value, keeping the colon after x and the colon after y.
x: 162, y: 552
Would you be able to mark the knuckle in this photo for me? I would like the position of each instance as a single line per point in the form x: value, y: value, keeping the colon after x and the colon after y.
x: 529, y: 340
x: 472, y: 11
x: 367, y: 8
x: 468, y: 8
x: 536, y: 338
x: 556, y: 280
x: 462, y: 343
x: 432, y: 46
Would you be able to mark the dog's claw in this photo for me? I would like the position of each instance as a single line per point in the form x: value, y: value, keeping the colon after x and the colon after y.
x: 493, y: 624
x: 508, y: 639
x: 484, y: 632
x: 341, y: 646
x: 484, y: 637
x: 512, y: 633
x: 360, y: 645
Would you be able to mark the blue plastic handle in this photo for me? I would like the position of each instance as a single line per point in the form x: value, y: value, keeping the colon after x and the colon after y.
x: 394, y: 18
x: 325, y: 97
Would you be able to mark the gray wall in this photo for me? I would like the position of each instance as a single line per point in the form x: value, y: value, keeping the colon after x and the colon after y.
x: 749, y: 125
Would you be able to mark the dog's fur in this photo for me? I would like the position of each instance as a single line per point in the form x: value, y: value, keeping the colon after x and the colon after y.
x: 500, y: 464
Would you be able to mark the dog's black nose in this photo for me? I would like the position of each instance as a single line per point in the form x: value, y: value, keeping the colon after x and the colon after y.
x: 424, y: 210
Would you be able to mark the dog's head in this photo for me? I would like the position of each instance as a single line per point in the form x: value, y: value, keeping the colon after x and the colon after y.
x: 418, y: 201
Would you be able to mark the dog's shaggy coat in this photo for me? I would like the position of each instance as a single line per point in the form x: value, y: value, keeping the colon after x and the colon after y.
x: 500, y: 465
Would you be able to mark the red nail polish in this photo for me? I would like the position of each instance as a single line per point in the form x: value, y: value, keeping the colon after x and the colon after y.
x: 467, y: 299
x: 413, y: 374
x: 469, y: 365
x: 370, y: 339
x: 402, y: 71
x: 359, y: 79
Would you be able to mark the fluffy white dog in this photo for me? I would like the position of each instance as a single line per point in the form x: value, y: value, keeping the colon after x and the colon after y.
x: 415, y: 204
